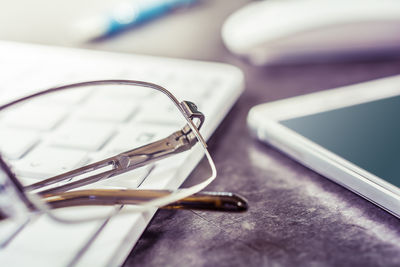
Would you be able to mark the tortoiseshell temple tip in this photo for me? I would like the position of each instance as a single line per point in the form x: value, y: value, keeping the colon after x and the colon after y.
x: 212, y: 201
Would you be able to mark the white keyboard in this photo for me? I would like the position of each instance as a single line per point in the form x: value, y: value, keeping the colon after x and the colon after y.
x: 25, y: 68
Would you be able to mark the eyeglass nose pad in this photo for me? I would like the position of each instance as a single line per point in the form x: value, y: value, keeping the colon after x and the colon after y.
x: 9, y: 183
x: 14, y: 205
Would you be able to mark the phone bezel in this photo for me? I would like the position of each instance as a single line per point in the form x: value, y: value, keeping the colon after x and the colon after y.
x: 263, y: 121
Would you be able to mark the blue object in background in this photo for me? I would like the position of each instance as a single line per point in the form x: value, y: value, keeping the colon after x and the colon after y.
x: 141, y: 11
x: 126, y: 15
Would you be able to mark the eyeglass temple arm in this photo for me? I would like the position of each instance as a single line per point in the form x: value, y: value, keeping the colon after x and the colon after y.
x: 177, y: 142
x: 212, y: 201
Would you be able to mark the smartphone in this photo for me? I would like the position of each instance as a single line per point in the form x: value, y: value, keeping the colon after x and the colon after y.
x: 350, y: 135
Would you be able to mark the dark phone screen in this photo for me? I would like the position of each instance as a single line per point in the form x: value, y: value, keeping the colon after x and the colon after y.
x: 367, y: 135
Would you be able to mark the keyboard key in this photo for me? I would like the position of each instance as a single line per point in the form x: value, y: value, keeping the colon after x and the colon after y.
x: 157, y: 180
x: 26, y: 181
x: 127, y: 92
x: 14, y: 143
x: 86, y: 135
x: 35, y: 117
x: 103, y: 109
x: 170, y: 163
x: 45, y: 161
x: 160, y: 111
x: 67, y: 97
x: 128, y: 180
x: 133, y: 137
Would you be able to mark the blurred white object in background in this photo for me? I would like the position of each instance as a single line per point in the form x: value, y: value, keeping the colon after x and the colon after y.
x: 295, y: 31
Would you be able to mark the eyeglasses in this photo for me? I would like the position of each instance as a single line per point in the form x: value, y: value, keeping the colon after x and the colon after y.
x: 83, y: 122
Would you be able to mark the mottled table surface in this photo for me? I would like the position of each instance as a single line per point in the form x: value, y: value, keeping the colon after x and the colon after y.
x: 296, y: 216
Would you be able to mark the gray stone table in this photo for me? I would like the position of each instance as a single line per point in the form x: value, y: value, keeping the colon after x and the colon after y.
x: 296, y: 216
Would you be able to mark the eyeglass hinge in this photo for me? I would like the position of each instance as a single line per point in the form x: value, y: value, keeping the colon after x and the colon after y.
x: 192, y: 112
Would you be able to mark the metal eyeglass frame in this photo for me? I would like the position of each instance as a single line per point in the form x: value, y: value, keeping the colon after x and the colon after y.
x: 179, y: 141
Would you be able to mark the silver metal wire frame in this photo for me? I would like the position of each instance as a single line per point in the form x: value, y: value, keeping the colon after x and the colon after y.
x: 184, y: 107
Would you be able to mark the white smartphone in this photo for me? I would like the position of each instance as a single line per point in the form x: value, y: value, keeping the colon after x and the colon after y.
x: 350, y: 135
